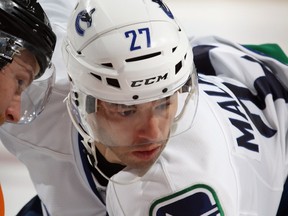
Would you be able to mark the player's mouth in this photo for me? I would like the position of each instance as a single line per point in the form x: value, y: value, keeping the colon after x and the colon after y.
x: 148, y: 153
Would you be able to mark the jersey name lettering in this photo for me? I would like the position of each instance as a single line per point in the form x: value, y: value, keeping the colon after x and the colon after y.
x: 240, y: 121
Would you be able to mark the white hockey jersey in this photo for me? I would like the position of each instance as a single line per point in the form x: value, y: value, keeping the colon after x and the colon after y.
x: 234, y: 159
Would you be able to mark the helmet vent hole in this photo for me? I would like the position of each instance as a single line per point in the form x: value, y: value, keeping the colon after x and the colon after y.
x: 107, y: 65
x: 135, y: 97
x: 76, y: 103
x: 178, y: 67
x: 76, y: 95
x: 113, y: 82
x: 140, y: 58
x: 164, y: 90
x: 173, y: 50
x: 96, y: 76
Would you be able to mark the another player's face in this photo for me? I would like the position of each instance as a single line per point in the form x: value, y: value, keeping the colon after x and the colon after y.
x: 14, y: 78
x: 136, y: 134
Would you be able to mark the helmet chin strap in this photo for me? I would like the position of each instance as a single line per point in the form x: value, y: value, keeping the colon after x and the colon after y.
x: 92, y: 149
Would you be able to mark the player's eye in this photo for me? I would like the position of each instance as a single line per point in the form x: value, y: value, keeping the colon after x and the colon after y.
x: 22, y: 84
x: 126, y: 113
x: 163, y: 106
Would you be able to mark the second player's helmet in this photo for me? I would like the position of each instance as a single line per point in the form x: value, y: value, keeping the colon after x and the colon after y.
x: 24, y: 24
x: 127, y: 52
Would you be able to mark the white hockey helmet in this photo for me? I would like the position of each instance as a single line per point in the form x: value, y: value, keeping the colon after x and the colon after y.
x: 127, y: 52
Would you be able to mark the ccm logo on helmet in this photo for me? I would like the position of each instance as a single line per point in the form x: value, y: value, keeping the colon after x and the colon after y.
x: 149, y: 81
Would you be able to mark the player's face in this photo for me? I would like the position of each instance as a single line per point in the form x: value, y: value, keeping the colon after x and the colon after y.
x: 136, y: 134
x: 14, y: 78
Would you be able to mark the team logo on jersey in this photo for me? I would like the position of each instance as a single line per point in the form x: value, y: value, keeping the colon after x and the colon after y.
x: 83, y: 21
x: 193, y: 201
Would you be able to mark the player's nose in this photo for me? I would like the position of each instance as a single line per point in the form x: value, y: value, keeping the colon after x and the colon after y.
x: 149, y: 128
x: 13, y: 112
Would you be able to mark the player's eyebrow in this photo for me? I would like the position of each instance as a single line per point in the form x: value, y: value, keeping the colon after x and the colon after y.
x: 123, y: 106
x: 26, y: 68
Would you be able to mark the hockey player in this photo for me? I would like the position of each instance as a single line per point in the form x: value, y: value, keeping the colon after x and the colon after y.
x: 49, y: 147
x: 26, y: 46
x: 111, y: 48
x: 133, y: 98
